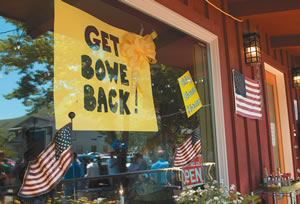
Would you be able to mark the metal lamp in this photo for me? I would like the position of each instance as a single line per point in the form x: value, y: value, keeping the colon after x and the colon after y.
x: 296, y: 77
x: 252, y: 48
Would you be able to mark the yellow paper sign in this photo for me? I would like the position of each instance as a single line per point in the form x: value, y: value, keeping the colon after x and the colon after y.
x: 92, y: 78
x: 189, y: 93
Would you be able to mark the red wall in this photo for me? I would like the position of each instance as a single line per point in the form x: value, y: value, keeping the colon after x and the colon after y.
x: 248, y: 141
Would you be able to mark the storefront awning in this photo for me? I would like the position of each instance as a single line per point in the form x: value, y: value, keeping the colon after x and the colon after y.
x: 35, y: 14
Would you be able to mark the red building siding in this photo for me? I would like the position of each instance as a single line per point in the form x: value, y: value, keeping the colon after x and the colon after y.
x: 249, y: 146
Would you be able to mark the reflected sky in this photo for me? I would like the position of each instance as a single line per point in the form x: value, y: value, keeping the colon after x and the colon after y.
x: 9, y: 108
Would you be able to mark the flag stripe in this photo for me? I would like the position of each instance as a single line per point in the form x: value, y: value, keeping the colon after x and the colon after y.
x: 48, y: 179
x: 181, y: 148
x: 186, y: 160
x: 248, y: 115
x: 51, y: 180
x: 252, y: 90
x: 252, y: 82
x: 45, y: 174
x: 247, y: 96
x: 42, y: 156
x: 247, y: 100
x: 253, y: 96
x: 196, y: 148
x: 40, y: 189
x: 183, y: 158
x: 249, y: 107
x: 43, y: 163
x: 50, y: 166
x: 37, y: 174
x: 186, y: 152
x: 245, y: 111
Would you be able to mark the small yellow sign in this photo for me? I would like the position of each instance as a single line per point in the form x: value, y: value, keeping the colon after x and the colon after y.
x: 93, y: 79
x: 189, y: 93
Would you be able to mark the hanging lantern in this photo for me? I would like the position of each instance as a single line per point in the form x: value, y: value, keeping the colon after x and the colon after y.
x: 252, y: 48
x: 296, y: 77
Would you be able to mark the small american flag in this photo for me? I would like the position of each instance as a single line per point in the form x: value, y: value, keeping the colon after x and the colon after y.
x: 50, y: 166
x: 247, y: 96
x: 186, y: 152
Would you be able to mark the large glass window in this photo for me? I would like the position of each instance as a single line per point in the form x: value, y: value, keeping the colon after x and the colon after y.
x: 28, y: 121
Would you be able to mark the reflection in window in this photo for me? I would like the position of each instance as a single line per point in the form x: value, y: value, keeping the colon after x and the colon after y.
x: 177, y: 53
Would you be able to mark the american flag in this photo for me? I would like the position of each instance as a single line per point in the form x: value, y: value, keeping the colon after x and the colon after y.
x: 186, y: 152
x: 50, y: 166
x: 247, y: 96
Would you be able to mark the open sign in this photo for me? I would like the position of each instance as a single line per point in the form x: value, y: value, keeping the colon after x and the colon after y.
x: 192, y: 174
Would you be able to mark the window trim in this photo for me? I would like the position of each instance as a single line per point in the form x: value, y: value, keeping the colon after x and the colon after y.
x: 284, y: 118
x: 166, y: 15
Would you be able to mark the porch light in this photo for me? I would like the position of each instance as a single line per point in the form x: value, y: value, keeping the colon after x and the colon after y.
x: 252, y: 48
x: 296, y: 77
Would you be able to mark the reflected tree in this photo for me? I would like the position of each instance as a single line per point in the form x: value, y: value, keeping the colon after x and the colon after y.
x: 4, y: 145
x: 170, y: 112
x: 32, y: 59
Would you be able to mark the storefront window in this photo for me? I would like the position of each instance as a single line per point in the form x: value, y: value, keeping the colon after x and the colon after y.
x: 28, y: 67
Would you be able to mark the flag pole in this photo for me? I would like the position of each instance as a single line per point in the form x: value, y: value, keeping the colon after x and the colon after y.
x: 71, y: 116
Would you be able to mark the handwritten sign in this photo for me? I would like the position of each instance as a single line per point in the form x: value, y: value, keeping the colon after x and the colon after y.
x: 92, y: 79
x: 189, y: 93
x: 192, y: 174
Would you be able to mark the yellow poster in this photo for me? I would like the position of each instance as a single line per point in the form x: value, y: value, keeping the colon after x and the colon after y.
x: 189, y: 93
x: 92, y: 78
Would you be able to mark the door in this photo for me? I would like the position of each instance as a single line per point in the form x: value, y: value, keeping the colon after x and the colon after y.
x: 275, y: 121
x: 35, y: 141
